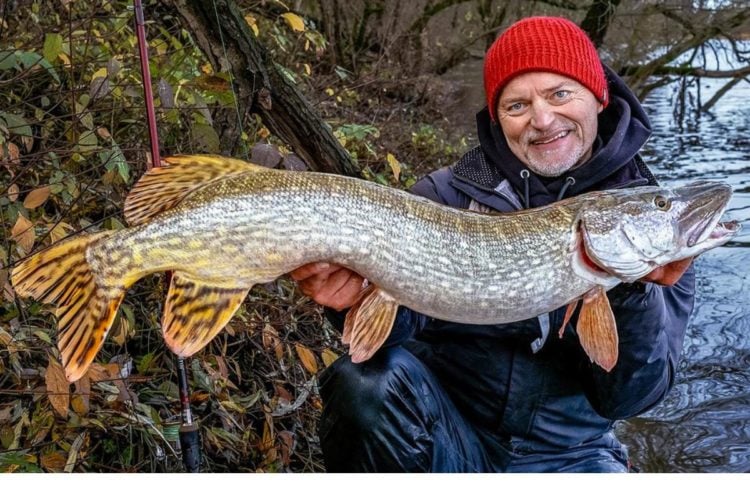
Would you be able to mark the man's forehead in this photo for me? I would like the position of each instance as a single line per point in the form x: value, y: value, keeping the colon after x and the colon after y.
x: 537, y: 81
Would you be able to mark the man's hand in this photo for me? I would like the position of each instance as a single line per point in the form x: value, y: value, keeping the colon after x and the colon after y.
x: 329, y: 285
x: 669, y: 274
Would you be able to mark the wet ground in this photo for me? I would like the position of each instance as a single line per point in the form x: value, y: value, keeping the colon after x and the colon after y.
x: 704, y: 423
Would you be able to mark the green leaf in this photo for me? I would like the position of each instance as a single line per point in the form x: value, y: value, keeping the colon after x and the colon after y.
x: 53, y: 46
x: 205, y: 138
x: 8, y: 59
x: 87, y: 141
x: 16, y: 124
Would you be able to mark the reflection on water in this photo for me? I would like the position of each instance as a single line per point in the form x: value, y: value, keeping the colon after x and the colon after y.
x: 703, y: 425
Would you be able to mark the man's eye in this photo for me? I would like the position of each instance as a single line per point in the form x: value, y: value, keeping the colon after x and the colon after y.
x: 562, y: 94
x: 515, y: 107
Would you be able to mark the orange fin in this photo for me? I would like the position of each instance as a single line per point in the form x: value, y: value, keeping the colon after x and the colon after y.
x: 195, y: 312
x: 597, y: 329
x: 568, y: 313
x: 162, y: 188
x: 368, y: 323
x: 85, y: 311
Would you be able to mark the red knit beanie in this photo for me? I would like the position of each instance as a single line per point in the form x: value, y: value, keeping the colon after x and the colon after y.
x: 551, y: 44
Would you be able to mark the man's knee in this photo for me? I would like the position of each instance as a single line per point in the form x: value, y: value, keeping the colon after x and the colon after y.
x: 363, y: 390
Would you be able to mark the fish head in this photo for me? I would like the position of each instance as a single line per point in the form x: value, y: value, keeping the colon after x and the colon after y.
x: 630, y: 232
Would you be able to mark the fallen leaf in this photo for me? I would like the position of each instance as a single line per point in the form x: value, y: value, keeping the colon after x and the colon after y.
x: 329, y: 357
x: 394, y: 164
x: 58, y: 387
x: 80, y: 401
x: 250, y: 20
x: 53, y: 462
x: 59, y: 230
x: 294, y: 21
x: 13, y: 192
x: 308, y: 358
x: 36, y: 198
x: 75, y: 448
x: 23, y: 233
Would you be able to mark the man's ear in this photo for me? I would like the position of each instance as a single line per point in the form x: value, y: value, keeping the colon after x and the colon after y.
x: 601, y: 108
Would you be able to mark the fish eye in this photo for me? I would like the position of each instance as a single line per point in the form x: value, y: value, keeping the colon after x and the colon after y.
x: 662, y: 203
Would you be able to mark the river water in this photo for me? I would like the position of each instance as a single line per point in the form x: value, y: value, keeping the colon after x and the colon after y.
x: 704, y: 423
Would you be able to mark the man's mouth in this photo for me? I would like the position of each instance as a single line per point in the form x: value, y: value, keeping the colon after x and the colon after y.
x: 549, y: 139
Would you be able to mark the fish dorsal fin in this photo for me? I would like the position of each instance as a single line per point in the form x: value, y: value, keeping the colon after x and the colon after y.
x: 368, y: 323
x: 195, y: 312
x: 163, y: 187
x: 597, y: 329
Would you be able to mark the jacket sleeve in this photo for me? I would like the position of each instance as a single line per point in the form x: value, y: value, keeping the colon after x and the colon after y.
x: 651, y: 322
x: 408, y: 323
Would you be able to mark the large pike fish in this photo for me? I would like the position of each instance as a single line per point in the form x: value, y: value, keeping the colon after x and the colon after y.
x: 222, y: 226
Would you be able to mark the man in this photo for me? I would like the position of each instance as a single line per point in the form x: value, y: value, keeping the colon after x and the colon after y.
x: 442, y: 396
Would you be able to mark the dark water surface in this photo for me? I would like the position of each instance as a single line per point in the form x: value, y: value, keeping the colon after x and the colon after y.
x: 704, y: 423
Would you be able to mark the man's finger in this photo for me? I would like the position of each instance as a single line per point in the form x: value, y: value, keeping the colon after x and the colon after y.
x: 311, y: 269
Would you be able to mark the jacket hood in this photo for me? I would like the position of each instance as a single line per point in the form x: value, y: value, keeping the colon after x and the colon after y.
x: 623, y: 130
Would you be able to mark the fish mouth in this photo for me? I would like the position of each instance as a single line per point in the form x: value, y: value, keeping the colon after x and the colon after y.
x: 707, y: 202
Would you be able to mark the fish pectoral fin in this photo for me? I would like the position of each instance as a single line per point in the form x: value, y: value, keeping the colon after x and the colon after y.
x: 195, y: 312
x: 164, y: 187
x: 597, y: 329
x: 368, y: 323
x: 568, y: 313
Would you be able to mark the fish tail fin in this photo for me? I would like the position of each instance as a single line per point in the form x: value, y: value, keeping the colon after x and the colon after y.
x: 61, y: 275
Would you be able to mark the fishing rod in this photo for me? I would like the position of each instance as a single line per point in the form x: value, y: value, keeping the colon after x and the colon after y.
x: 189, y: 435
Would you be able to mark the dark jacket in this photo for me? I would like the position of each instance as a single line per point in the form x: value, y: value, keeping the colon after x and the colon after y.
x: 555, y: 399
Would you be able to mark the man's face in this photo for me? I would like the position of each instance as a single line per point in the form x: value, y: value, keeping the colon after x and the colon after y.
x: 549, y: 121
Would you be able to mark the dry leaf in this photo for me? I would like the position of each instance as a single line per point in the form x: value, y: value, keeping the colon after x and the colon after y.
x: 53, y: 462
x: 394, y: 164
x: 329, y: 357
x: 308, y: 358
x: 250, y: 20
x: 270, y: 337
x: 36, y: 198
x: 58, y: 387
x: 23, y: 233
x: 98, y: 372
x: 294, y: 21
x: 13, y: 192
x: 59, y: 230
x: 13, y: 153
x: 80, y: 401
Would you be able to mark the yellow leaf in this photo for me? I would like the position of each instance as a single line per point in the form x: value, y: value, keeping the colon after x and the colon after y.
x: 64, y: 58
x: 36, y: 198
x: 329, y: 357
x: 308, y: 70
x: 100, y: 73
x: 329, y: 91
x: 13, y: 192
x: 58, y: 387
x: 58, y: 231
x: 294, y: 21
x: 308, y: 358
x: 23, y: 233
x: 250, y: 20
x: 103, y: 133
x: 394, y: 164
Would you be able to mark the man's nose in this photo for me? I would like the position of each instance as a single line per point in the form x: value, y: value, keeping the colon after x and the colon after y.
x: 542, y: 115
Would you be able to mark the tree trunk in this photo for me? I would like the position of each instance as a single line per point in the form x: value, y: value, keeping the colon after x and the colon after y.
x: 226, y: 39
x: 597, y: 20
